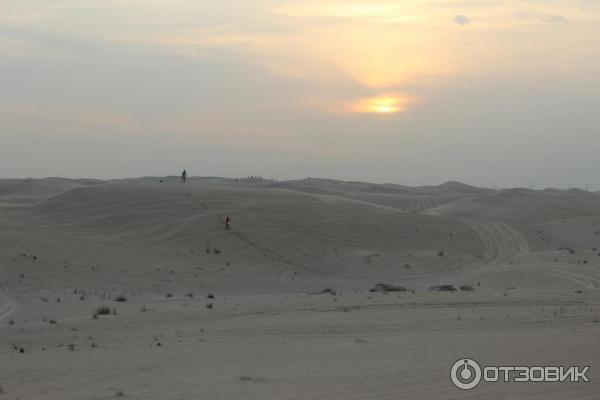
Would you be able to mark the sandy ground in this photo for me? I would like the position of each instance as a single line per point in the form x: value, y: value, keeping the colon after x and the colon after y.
x: 211, y: 314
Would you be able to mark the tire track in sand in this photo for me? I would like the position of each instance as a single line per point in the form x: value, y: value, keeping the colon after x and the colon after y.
x: 504, y: 246
x: 9, y: 306
x: 502, y: 243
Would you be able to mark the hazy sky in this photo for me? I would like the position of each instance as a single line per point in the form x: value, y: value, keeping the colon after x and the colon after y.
x: 501, y: 93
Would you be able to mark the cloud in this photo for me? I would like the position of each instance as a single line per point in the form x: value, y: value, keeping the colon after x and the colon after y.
x: 552, y: 18
x: 461, y: 19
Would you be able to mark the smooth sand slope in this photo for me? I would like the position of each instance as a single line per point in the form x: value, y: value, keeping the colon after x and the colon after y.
x: 280, y: 307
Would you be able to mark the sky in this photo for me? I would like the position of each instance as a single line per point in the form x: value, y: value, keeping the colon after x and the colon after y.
x: 491, y: 93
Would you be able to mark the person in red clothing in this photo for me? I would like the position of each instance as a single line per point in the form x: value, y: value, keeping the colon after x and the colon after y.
x: 227, y: 223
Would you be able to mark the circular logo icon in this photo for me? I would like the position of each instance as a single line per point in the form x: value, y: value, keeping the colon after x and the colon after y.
x: 465, y: 373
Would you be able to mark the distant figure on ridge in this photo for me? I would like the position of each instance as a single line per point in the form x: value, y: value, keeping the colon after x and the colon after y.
x: 183, y: 176
x: 227, y: 223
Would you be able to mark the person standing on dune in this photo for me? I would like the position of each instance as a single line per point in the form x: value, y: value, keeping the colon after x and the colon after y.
x: 227, y: 223
x: 183, y: 176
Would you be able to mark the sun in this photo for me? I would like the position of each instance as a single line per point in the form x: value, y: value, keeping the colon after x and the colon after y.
x: 383, y: 104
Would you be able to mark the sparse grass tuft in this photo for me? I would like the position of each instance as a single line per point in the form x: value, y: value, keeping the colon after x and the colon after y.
x: 569, y: 249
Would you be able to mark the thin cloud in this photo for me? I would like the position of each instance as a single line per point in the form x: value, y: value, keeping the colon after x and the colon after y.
x: 461, y: 20
x: 552, y: 18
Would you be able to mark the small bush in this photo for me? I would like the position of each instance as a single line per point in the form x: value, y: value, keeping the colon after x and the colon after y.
x: 121, y: 298
x: 103, y: 310
x: 441, y: 253
x: 329, y: 291
x: 466, y: 287
x: 384, y: 288
x: 443, y: 288
x: 169, y: 295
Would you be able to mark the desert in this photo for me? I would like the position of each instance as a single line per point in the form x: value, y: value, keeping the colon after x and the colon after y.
x: 322, y: 289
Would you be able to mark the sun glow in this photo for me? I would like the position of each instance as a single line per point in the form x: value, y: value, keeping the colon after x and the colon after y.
x: 385, y: 104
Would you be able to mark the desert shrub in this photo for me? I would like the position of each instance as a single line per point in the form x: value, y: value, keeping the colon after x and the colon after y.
x: 121, y: 298
x: 442, y: 288
x: 103, y: 310
x: 384, y: 288
x: 466, y: 287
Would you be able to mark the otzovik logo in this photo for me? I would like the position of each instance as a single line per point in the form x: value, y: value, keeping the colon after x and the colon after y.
x: 466, y: 374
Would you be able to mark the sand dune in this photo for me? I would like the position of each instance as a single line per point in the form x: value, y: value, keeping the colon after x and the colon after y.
x: 526, y: 266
